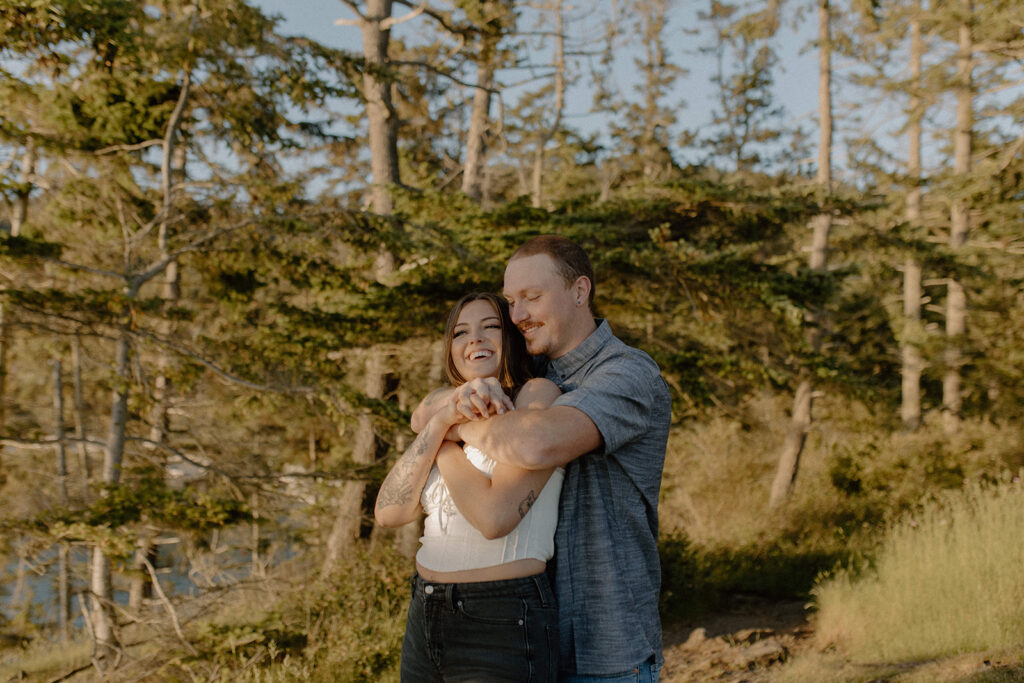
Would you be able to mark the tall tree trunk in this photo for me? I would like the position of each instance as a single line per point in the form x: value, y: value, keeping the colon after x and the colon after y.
x: 104, y: 624
x: 28, y: 169
x: 654, y: 26
x: 256, y: 563
x: 18, y: 218
x: 140, y: 588
x: 546, y: 133
x: 172, y: 164
x: 83, y: 453
x: 956, y: 298
x: 802, y: 412
x: 350, y: 512
x: 912, y: 362
x: 63, y: 555
x: 383, y: 124
x: 5, y: 340
x: 479, y: 125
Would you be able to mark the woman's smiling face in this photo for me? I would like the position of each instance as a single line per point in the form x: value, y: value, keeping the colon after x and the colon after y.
x: 476, y: 341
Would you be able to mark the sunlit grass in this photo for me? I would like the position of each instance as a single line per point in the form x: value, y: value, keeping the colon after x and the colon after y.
x: 44, y: 659
x: 946, y: 580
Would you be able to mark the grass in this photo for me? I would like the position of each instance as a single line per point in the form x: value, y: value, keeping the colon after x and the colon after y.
x: 43, y: 659
x: 947, y: 580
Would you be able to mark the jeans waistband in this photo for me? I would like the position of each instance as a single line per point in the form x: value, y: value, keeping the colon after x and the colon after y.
x: 537, y: 585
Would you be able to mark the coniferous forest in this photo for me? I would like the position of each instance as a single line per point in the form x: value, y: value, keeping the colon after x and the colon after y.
x: 226, y: 254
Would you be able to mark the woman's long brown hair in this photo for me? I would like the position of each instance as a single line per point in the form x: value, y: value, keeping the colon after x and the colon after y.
x: 516, y: 366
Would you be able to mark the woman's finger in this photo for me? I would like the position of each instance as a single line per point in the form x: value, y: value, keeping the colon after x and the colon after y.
x: 481, y: 405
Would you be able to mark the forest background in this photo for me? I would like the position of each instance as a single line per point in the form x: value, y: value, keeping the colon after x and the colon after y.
x: 226, y: 253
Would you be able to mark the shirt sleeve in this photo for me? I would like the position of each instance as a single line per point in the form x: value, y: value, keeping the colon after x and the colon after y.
x: 617, y: 398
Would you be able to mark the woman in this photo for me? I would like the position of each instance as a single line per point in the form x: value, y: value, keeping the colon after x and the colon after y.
x: 482, y: 607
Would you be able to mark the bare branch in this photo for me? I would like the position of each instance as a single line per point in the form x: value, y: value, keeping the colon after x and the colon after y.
x: 46, y: 444
x: 145, y: 276
x: 84, y: 269
x: 167, y: 604
x: 128, y: 148
x: 395, y: 21
x: 446, y: 74
x: 4, y: 167
x: 351, y: 22
x: 1011, y: 153
x: 439, y: 17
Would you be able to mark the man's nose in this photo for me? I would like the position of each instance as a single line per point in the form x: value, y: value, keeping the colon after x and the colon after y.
x: 517, y: 313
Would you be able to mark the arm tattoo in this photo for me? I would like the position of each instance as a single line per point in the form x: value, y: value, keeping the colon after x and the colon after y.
x: 397, y: 488
x: 526, y: 503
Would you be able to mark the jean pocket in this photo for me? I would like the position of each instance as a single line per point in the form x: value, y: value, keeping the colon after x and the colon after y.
x: 496, y: 611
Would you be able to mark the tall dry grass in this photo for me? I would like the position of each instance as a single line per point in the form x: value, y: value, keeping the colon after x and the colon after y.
x: 946, y: 580
x: 858, y: 473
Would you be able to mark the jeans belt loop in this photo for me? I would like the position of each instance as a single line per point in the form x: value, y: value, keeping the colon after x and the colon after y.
x: 449, y: 596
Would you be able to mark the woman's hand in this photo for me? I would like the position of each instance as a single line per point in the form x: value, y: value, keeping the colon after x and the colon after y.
x: 480, y: 398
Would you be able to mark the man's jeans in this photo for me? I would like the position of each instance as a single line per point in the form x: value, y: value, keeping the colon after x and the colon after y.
x: 646, y: 672
x: 483, y: 631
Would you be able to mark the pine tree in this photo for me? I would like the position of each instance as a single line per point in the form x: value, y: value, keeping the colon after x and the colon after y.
x: 746, y: 121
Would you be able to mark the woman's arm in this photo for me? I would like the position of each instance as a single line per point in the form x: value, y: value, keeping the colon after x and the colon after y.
x: 496, y: 505
x: 398, y: 501
x: 474, y: 400
x: 428, y: 407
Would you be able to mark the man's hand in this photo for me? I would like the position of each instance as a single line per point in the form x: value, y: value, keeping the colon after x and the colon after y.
x: 480, y: 398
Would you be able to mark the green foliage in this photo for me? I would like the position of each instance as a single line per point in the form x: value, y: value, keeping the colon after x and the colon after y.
x: 103, y: 110
x: 143, y: 498
x: 22, y: 247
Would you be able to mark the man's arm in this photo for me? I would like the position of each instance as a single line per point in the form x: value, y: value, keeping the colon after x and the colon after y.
x: 534, y: 439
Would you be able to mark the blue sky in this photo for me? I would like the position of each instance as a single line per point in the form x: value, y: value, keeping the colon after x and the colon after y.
x: 796, y: 81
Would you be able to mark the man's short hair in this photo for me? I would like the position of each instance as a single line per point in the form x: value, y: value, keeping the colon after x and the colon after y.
x: 569, y: 258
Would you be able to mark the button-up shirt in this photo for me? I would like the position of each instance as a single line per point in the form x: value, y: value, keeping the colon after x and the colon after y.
x: 607, y: 573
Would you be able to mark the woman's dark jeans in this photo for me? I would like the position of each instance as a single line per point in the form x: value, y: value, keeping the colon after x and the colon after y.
x: 484, y: 631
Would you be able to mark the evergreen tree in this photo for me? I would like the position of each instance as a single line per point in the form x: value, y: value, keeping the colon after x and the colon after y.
x: 746, y: 121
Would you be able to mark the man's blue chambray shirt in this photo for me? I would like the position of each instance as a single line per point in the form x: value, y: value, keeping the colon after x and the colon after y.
x: 607, y: 574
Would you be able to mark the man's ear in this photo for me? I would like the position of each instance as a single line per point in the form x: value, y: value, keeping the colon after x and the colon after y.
x: 582, y: 287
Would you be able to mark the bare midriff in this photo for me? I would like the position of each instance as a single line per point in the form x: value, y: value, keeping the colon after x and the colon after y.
x: 501, y: 572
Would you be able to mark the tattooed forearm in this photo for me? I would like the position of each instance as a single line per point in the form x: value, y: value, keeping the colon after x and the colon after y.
x: 399, y: 486
x: 526, y: 503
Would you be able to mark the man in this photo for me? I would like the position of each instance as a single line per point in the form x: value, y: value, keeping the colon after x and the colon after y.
x: 609, y: 430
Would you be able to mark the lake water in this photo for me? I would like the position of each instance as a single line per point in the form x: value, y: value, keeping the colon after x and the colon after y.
x: 225, y: 565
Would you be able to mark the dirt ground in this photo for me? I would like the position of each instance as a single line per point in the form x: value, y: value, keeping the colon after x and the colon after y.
x: 743, y: 643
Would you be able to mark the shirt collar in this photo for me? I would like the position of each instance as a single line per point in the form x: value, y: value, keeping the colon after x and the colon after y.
x: 568, y: 364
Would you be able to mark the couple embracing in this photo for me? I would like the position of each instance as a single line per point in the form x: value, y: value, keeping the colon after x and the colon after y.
x: 539, y: 471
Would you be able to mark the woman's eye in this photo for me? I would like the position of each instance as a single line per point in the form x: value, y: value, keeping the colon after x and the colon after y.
x: 458, y: 333
x: 493, y: 326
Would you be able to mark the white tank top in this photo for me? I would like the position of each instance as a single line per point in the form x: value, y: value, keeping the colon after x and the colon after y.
x: 450, y: 543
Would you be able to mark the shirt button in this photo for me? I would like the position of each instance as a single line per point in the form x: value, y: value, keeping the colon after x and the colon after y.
x: 429, y: 590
